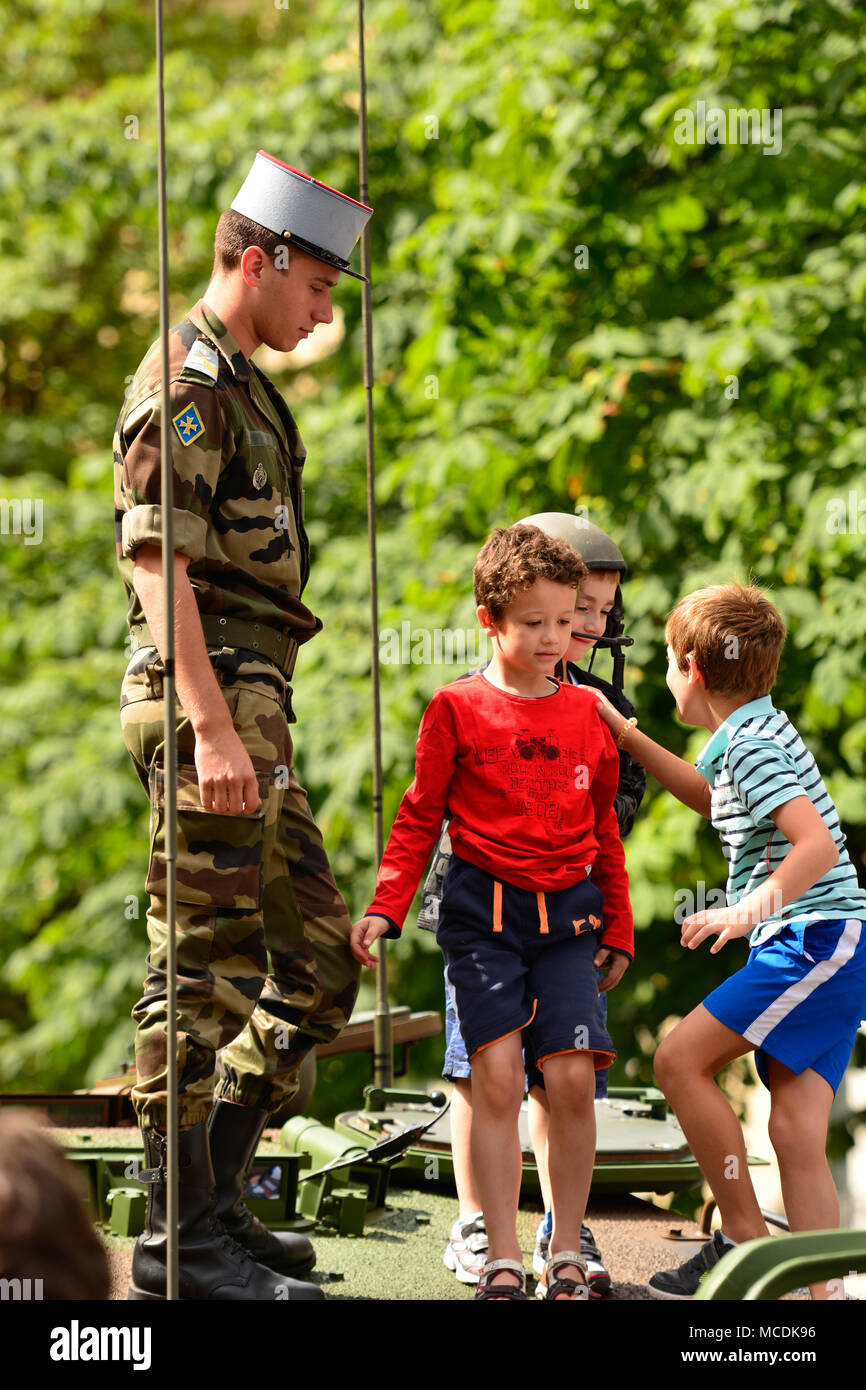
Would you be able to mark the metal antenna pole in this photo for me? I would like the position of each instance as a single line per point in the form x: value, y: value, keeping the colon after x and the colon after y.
x: 383, y: 1054
x: 167, y: 492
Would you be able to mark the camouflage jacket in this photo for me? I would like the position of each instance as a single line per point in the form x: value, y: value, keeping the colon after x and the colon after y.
x: 629, y: 794
x: 237, y: 460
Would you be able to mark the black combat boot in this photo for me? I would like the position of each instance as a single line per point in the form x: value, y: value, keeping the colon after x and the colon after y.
x: 212, y: 1265
x: 234, y: 1132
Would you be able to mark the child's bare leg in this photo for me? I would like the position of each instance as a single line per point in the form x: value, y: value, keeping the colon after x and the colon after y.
x: 497, y: 1090
x: 570, y: 1082
x: 799, y: 1116
x: 686, y: 1064
x: 461, y: 1124
x: 538, y: 1116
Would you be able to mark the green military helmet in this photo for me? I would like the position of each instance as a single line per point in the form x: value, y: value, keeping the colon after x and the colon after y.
x: 595, y: 546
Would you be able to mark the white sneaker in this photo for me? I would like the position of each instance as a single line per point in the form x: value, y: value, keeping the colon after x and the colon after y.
x: 466, y: 1253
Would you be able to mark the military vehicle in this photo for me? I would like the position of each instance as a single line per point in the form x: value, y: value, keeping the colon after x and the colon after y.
x: 374, y: 1188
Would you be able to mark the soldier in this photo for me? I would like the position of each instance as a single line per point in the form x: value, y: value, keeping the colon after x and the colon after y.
x: 253, y: 879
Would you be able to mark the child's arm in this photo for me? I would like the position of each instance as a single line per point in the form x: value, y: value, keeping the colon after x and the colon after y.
x: 415, y: 831
x: 608, y: 869
x: 679, y: 777
x: 364, y: 932
x: 813, y: 853
x: 613, y: 965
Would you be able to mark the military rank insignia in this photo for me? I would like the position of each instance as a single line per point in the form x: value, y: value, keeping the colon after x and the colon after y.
x: 202, y: 358
x: 188, y: 425
x: 260, y: 477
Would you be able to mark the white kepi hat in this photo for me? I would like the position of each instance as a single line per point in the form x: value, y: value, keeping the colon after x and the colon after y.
x: 317, y: 219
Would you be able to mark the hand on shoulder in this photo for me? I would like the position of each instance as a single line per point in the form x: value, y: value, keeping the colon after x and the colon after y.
x: 605, y: 710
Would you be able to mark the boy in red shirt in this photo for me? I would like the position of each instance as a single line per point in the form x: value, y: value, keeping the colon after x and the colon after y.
x: 536, y: 896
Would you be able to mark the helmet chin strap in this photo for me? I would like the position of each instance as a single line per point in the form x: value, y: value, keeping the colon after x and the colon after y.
x: 615, y: 644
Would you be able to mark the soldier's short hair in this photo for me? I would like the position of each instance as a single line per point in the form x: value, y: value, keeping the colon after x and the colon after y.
x: 514, y: 557
x: 235, y: 233
x: 735, y: 635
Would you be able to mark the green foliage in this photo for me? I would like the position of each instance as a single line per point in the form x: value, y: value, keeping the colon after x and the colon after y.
x: 695, y: 377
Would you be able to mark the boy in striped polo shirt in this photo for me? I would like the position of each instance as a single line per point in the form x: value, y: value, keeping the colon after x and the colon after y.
x: 801, y: 996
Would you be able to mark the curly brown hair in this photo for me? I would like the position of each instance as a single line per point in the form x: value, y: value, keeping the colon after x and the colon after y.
x: 514, y: 557
x: 735, y: 634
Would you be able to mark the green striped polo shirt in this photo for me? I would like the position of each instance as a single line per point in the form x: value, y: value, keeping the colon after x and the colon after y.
x: 756, y: 761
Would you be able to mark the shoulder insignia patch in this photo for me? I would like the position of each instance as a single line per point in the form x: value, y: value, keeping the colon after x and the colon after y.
x: 204, y: 359
x: 187, y: 423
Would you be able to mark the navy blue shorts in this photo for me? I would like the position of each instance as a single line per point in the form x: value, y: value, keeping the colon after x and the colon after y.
x: 523, y: 961
x: 457, y: 1067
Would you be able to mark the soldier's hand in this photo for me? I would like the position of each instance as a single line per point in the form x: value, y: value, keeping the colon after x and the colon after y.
x: 364, y: 933
x: 226, y: 776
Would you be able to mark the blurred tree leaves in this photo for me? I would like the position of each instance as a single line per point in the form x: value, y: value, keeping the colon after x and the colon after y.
x: 569, y: 307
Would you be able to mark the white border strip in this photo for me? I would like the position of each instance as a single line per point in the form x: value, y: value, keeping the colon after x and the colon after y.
x: 796, y: 993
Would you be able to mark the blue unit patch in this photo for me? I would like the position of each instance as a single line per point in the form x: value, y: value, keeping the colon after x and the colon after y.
x: 188, y: 424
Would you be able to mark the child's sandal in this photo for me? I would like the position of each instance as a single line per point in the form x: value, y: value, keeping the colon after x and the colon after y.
x: 487, y: 1289
x: 577, y: 1290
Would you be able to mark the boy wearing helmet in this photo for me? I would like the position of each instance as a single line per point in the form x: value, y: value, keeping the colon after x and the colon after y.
x: 598, y: 623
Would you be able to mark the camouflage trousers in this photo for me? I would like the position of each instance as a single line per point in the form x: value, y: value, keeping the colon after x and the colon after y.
x: 248, y: 887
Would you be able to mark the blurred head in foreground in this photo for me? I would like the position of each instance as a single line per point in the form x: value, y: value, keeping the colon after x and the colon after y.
x: 48, y: 1247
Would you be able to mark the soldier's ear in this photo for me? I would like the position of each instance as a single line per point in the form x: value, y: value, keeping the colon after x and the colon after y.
x: 252, y: 266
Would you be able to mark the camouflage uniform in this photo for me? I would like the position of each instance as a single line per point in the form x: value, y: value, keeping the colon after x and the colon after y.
x: 252, y: 884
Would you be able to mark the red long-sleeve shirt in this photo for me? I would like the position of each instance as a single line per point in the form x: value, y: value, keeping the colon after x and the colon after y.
x: 529, y: 785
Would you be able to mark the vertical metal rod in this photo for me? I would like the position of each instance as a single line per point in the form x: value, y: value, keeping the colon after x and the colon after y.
x: 383, y: 1056
x: 167, y: 493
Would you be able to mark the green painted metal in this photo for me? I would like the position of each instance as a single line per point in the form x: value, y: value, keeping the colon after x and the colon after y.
x: 381, y: 1097
x: 127, y: 1207
x: 765, y: 1269
x: 640, y: 1147
x: 111, y: 1162
x: 675, y: 1176
x: 342, y: 1197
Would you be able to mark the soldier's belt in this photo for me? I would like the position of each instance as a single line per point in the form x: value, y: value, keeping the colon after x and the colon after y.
x: 279, y: 647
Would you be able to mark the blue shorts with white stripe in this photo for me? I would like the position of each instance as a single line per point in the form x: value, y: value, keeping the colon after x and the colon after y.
x: 800, y: 997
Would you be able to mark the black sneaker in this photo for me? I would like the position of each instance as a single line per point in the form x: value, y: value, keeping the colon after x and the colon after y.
x: 683, y: 1282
